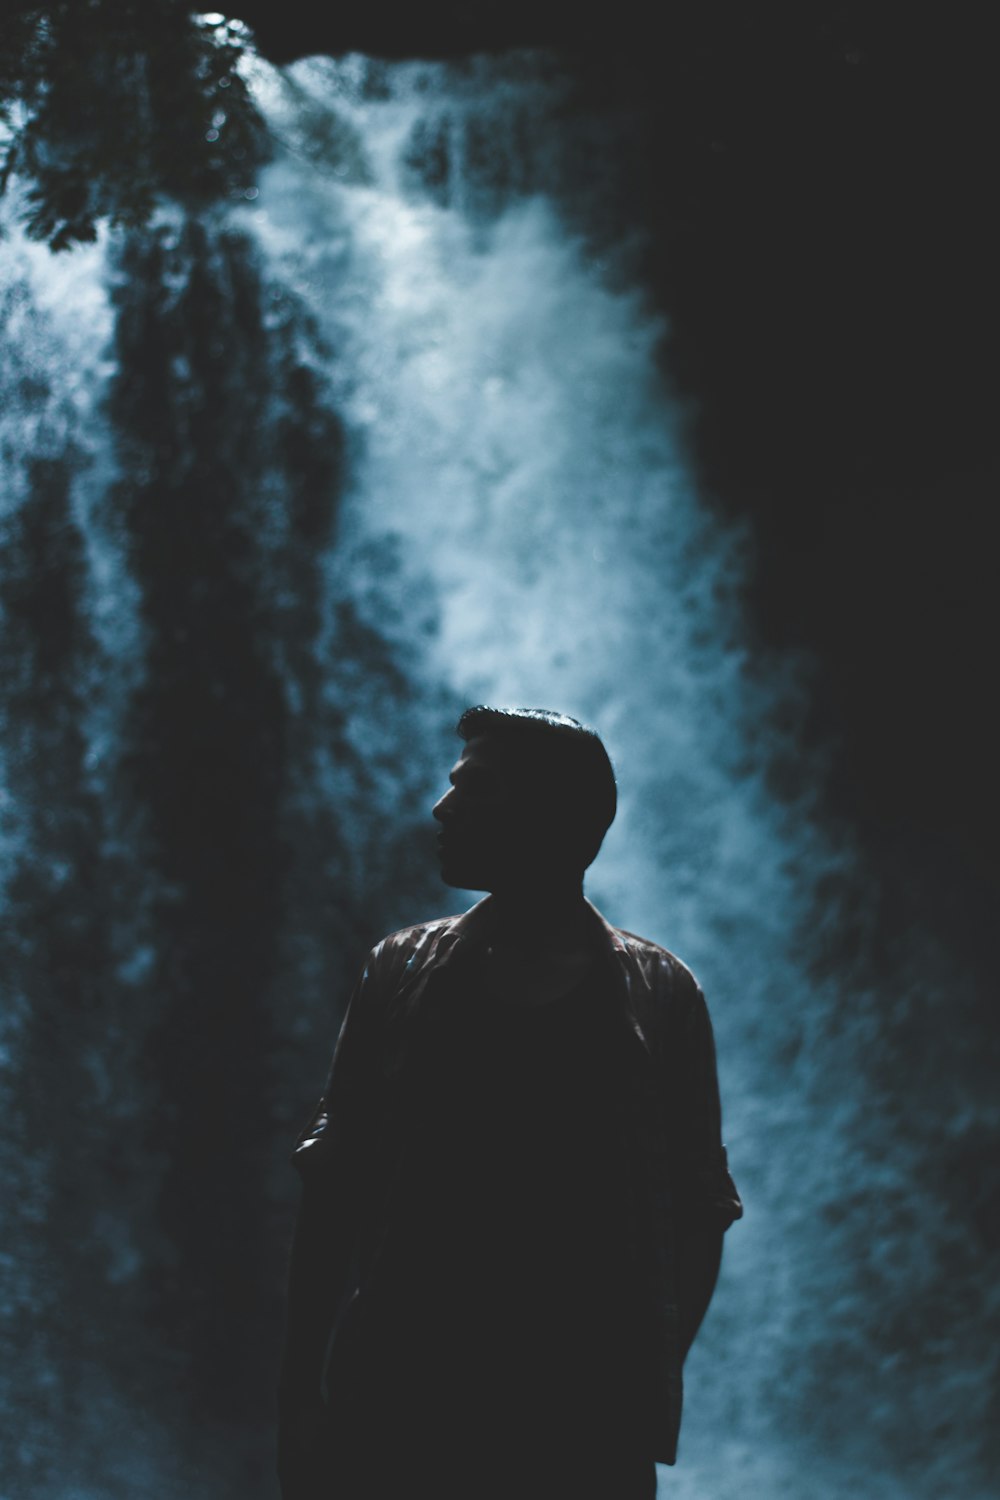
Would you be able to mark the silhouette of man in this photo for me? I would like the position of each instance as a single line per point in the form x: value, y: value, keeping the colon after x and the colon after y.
x: 515, y: 1189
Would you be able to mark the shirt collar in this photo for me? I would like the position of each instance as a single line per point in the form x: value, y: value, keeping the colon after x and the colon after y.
x: 466, y: 935
x: 473, y: 925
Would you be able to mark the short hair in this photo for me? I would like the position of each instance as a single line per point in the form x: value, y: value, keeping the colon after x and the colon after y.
x: 571, y: 770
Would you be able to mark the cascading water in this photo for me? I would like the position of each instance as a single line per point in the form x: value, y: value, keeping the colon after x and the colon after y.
x: 517, y: 443
x: 517, y: 524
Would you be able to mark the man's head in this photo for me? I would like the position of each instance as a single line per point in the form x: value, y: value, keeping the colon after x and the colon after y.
x: 532, y: 795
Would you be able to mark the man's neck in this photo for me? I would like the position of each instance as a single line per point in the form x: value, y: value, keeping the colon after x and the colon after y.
x: 536, y: 914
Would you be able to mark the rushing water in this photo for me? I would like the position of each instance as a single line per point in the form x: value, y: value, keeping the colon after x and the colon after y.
x: 517, y: 524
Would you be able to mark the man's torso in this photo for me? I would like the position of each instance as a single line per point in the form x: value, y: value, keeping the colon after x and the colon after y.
x: 397, y: 1115
x: 503, y: 1274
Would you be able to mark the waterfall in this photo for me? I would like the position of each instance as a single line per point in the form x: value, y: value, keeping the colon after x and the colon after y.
x: 510, y: 517
x: 516, y: 446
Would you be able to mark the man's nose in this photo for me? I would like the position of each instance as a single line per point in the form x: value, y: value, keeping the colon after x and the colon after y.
x: 440, y: 808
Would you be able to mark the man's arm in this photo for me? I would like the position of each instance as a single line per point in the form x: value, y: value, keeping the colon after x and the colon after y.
x: 318, y: 1270
x: 319, y: 1267
x: 707, y: 1198
x: 329, y: 1155
x: 699, y: 1256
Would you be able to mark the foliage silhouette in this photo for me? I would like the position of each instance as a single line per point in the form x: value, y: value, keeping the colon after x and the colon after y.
x: 112, y: 105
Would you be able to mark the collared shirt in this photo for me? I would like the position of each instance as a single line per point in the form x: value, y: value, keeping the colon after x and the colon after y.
x: 673, y: 1165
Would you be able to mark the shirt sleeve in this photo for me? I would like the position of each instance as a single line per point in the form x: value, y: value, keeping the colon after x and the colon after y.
x: 334, y: 1135
x: 706, y: 1191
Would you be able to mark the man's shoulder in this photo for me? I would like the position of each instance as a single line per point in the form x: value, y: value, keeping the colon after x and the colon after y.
x: 407, y: 947
x: 657, y: 966
x: 416, y: 935
x: 651, y: 968
x: 400, y: 960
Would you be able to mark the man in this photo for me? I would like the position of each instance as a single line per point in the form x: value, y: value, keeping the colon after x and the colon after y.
x: 515, y: 1189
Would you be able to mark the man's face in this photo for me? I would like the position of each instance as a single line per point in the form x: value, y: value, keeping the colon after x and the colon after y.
x: 487, y: 832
